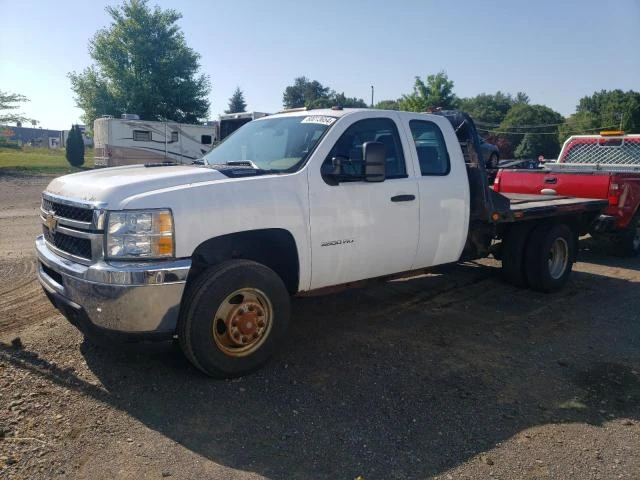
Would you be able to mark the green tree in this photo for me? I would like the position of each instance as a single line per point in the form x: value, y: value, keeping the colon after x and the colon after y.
x: 75, y: 147
x: 236, y: 102
x: 538, y: 123
x: 489, y: 110
x: 304, y: 92
x: 437, y: 92
x: 337, y: 100
x: 312, y: 94
x: 529, y: 147
x: 604, y: 110
x: 12, y: 101
x: 388, y: 105
x: 521, y: 97
x: 142, y: 65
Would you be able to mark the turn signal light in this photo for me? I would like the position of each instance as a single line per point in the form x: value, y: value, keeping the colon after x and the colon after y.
x: 164, y: 246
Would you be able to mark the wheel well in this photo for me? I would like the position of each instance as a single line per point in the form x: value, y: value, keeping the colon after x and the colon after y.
x: 273, y: 247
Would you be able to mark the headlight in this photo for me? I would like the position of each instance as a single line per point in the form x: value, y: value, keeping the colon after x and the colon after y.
x: 135, y: 234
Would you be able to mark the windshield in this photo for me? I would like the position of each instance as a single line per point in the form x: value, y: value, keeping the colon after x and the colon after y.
x: 274, y: 144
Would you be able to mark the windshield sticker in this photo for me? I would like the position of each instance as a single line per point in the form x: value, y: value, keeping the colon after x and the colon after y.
x: 321, y: 119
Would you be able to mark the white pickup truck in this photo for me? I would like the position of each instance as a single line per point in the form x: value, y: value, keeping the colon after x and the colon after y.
x: 210, y: 254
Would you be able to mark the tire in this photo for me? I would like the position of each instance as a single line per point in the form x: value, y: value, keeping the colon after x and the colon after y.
x: 550, y: 253
x: 233, y: 317
x: 513, y: 255
x: 493, y: 161
x: 628, y: 241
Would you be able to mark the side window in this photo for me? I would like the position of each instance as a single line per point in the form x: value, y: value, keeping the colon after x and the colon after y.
x: 382, y: 130
x: 205, y: 139
x: 174, y: 137
x: 432, y: 151
x: 142, y: 135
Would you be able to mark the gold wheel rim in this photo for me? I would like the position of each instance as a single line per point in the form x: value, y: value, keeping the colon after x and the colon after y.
x: 242, y: 322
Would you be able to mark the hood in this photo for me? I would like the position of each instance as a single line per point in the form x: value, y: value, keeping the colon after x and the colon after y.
x: 112, y: 185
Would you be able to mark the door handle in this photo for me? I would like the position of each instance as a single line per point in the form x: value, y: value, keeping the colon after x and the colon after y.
x: 403, y: 198
x: 551, y: 180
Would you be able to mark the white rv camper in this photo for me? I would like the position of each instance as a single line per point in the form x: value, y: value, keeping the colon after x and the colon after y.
x: 230, y: 122
x: 129, y: 140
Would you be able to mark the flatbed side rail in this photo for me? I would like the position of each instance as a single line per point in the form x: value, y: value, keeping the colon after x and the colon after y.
x: 529, y: 207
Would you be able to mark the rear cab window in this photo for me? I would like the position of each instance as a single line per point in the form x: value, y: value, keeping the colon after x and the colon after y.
x: 430, y: 148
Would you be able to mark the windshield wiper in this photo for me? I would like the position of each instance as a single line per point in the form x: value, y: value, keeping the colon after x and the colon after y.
x: 241, y: 167
x: 242, y: 163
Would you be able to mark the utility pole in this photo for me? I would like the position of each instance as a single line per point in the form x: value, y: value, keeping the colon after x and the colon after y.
x: 371, y: 96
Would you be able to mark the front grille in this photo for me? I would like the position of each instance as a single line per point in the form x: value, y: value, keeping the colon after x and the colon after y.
x: 80, y: 247
x: 67, y: 211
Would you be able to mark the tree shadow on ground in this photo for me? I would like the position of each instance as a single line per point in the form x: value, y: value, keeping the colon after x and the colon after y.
x: 401, y: 380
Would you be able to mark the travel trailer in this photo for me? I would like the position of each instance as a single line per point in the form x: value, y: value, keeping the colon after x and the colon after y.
x: 230, y: 122
x: 129, y: 140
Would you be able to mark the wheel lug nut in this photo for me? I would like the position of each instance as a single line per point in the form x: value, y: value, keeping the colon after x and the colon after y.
x: 244, y: 339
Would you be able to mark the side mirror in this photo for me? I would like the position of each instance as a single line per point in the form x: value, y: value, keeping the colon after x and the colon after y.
x: 332, y: 172
x: 374, y: 161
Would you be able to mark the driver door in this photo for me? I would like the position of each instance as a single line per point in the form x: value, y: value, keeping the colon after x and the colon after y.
x: 361, y: 229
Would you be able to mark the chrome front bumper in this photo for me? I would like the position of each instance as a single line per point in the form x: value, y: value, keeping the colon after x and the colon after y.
x: 125, y: 297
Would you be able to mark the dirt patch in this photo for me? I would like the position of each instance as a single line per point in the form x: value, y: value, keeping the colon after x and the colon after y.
x: 20, y: 299
x: 451, y: 375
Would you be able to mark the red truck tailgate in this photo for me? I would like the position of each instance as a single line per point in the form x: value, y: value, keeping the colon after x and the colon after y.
x: 585, y: 185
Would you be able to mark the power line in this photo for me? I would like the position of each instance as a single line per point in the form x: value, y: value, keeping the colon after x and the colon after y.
x: 523, y: 126
x: 542, y: 133
x: 567, y: 122
x: 518, y: 133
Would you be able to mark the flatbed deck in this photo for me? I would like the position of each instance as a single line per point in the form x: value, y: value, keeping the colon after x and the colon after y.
x: 527, y: 206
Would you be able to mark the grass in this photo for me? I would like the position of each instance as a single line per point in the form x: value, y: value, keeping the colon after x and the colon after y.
x: 40, y: 161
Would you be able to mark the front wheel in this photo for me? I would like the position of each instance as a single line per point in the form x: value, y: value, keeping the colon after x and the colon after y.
x: 550, y: 253
x: 233, y: 317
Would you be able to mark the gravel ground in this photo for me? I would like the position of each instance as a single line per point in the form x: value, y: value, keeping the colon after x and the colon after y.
x: 451, y: 375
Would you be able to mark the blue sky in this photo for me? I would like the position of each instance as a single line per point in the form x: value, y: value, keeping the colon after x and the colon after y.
x: 555, y: 51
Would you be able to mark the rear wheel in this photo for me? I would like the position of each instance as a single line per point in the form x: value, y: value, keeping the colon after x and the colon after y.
x: 549, y: 258
x: 233, y: 318
x: 513, y: 255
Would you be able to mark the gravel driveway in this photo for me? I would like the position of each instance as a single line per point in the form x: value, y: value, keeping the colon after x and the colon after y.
x: 451, y: 375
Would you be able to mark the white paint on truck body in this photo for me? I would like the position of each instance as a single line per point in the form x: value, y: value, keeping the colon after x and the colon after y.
x: 343, y: 233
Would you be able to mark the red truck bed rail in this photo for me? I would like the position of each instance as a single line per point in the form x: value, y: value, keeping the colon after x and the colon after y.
x: 619, y: 150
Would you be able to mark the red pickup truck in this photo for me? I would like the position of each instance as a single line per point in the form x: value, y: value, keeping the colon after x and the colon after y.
x: 605, y: 166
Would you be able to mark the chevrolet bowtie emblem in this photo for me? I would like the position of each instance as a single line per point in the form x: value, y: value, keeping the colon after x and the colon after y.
x: 51, y: 222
